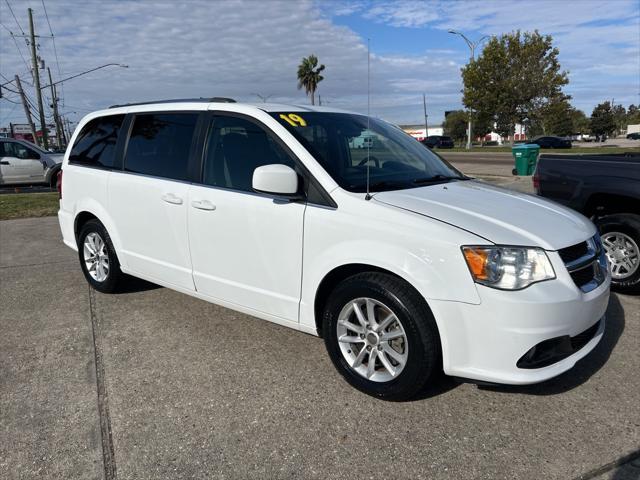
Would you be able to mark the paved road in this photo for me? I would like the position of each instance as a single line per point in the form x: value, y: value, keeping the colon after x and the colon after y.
x: 191, y: 390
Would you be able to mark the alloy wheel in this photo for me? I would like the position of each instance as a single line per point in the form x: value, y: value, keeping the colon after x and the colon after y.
x: 623, y: 254
x: 96, y: 257
x: 372, y: 339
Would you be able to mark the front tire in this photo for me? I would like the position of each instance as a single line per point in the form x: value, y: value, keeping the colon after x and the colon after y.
x: 620, y: 234
x: 381, y: 336
x: 98, y: 258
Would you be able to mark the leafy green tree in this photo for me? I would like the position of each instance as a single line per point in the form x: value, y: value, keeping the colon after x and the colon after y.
x: 620, y: 118
x: 603, y: 121
x: 555, y: 118
x: 309, y: 76
x: 580, y: 121
x: 558, y: 118
x: 633, y: 115
x: 513, y: 79
x: 482, y: 125
x: 455, y: 125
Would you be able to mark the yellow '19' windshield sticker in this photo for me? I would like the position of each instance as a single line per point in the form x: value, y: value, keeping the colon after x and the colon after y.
x: 293, y: 119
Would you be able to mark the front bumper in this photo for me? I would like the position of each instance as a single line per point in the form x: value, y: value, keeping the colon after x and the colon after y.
x: 485, y: 342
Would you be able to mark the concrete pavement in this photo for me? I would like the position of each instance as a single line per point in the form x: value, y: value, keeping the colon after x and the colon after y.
x: 151, y: 383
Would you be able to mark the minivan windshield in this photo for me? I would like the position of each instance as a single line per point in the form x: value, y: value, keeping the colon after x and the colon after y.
x: 344, y: 144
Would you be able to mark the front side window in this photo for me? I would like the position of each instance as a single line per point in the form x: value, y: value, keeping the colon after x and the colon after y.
x: 96, y: 143
x: 345, y: 146
x: 235, y: 148
x: 160, y: 144
x: 17, y: 150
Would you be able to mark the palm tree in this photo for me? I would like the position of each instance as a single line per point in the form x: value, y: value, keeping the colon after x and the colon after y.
x: 309, y: 76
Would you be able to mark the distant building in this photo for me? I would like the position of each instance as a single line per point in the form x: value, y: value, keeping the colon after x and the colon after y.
x: 417, y: 131
x: 633, y: 128
x: 22, y: 131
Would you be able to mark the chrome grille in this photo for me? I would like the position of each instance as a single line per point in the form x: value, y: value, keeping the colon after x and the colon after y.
x: 586, y: 263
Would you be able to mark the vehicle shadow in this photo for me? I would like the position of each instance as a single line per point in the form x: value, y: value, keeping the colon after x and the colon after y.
x: 585, y: 368
x: 441, y: 384
x: 135, y: 285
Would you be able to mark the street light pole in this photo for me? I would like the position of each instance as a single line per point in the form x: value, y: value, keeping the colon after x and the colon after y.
x: 426, y: 125
x: 264, y: 98
x: 472, y: 47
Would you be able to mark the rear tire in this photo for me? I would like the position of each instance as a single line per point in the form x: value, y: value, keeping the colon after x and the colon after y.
x: 98, y: 258
x: 406, y: 351
x: 620, y: 234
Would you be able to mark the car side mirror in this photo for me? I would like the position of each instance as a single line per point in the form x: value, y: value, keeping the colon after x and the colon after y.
x: 276, y: 179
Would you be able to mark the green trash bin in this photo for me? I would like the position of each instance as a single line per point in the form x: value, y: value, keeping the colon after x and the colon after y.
x: 525, y: 156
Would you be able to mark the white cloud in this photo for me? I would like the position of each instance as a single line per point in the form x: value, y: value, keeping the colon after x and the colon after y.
x: 236, y: 48
x: 403, y: 14
x: 200, y: 48
x: 599, y: 41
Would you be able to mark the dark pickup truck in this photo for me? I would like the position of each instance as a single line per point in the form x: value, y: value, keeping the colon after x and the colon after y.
x: 605, y: 188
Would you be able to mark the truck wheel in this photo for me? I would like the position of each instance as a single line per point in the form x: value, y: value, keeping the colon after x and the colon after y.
x: 381, y: 336
x: 620, y: 234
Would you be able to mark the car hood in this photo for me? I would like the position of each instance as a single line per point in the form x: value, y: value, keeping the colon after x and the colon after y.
x: 496, y: 214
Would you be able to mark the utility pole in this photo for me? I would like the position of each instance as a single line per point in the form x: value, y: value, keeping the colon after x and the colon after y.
x: 26, y: 109
x: 426, y: 125
x: 56, y: 119
x: 36, y: 78
x: 67, y: 124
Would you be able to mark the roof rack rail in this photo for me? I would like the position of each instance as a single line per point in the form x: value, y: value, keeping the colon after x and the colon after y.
x: 180, y: 100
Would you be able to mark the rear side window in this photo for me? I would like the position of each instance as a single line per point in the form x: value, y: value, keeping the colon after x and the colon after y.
x: 96, y: 144
x: 235, y: 148
x: 159, y: 144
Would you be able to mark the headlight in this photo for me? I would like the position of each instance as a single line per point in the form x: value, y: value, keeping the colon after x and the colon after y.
x: 508, y: 268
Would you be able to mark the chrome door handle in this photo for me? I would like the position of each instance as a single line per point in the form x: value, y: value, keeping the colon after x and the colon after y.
x: 171, y: 198
x: 203, y: 205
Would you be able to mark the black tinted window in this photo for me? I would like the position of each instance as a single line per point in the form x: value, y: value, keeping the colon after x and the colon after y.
x: 96, y: 144
x: 160, y: 143
x: 236, y: 147
x: 352, y: 149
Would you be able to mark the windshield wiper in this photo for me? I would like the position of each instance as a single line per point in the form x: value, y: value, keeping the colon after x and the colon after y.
x: 435, y: 179
x: 375, y: 186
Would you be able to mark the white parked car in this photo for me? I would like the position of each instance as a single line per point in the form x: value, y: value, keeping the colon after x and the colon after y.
x: 265, y: 209
x: 23, y: 163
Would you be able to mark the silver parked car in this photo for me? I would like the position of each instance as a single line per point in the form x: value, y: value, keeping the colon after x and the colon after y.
x: 22, y: 162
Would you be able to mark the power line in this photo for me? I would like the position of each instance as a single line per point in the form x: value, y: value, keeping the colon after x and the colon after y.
x: 10, y: 111
x: 14, y: 16
x: 19, y: 51
x: 5, y: 27
x: 10, y: 101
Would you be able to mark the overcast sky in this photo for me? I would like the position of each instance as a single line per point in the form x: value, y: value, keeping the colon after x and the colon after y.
x: 189, y: 48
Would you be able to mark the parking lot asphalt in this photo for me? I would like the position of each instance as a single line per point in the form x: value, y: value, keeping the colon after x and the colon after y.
x: 151, y: 383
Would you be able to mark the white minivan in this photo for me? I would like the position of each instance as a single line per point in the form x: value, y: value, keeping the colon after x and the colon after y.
x: 405, y: 266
